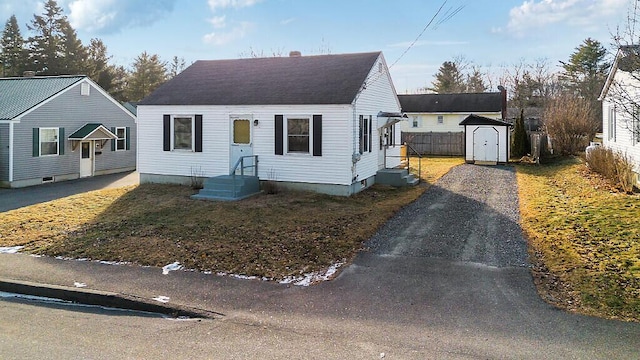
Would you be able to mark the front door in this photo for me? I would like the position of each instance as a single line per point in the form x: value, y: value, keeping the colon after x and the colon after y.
x: 86, y: 158
x: 485, y: 144
x: 241, y: 140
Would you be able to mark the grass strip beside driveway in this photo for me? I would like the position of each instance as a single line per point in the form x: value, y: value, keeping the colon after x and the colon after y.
x: 584, y: 239
x: 272, y: 236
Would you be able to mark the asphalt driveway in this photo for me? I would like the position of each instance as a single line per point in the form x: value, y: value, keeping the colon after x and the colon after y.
x: 16, y: 198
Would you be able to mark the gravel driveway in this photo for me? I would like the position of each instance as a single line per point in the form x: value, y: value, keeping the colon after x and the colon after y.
x: 470, y: 215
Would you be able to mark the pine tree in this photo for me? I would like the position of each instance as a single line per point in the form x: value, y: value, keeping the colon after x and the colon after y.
x: 74, y: 53
x: 475, y: 82
x: 176, y: 66
x: 148, y: 73
x: 519, y: 147
x: 449, y: 79
x: 13, y: 52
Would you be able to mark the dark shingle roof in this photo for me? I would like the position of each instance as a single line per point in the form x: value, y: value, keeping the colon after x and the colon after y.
x: 322, y: 79
x: 444, y: 103
x: 18, y: 95
x: 481, y: 120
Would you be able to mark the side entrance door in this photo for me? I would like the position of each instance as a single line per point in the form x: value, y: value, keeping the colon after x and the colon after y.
x: 485, y: 144
x: 241, y: 140
x: 86, y: 158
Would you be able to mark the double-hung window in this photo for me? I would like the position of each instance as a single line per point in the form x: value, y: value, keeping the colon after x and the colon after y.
x: 612, y: 123
x: 440, y: 119
x: 365, y: 134
x: 183, y: 133
x: 121, y: 142
x: 635, y: 128
x: 298, y: 135
x: 48, y: 141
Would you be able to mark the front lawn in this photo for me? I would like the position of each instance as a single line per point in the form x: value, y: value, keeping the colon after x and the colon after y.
x: 584, y: 238
x: 273, y: 236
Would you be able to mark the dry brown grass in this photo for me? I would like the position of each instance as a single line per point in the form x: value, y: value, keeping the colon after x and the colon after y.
x: 274, y: 236
x: 584, y: 239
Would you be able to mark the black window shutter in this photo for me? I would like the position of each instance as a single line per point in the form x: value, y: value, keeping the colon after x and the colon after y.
x: 369, y: 133
x: 127, y: 134
x: 361, y: 140
x: 198, y: 133
x: 166, y: 127
x: 279, y: 135
x: 61, y: 141
x: 317, y: 135
x: 113, y: 141
x: 36, y: 142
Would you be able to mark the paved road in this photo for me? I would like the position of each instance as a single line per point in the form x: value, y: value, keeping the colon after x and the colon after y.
x: 16, y: 198
x: 447, y: 278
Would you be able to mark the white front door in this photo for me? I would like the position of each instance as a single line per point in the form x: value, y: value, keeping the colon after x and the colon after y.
x: 485, y: 144
x: 86, y: 158
x: 241, y: 140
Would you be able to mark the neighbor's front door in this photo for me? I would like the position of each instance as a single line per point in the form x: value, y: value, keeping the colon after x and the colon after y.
x: 241, y: 140
x: 86, y: 158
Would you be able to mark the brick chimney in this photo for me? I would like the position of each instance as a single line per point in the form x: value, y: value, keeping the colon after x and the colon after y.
x: 503, y: 91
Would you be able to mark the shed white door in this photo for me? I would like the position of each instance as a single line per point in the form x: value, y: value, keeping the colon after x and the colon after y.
x: 241, y: 140
x: 485, y: 144
x: 86, y: 158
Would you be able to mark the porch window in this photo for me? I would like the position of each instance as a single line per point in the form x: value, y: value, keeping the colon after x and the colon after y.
x: 121, y: 142
x: 183, y: 133
x: 298, y: 135
x: 48, y: 141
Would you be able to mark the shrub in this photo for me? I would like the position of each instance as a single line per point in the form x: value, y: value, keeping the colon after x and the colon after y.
x: 568, y: 123
x: 615, y: 166
x: 519, y: 147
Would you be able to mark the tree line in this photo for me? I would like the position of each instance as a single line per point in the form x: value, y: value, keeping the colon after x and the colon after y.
x: 52, y: 47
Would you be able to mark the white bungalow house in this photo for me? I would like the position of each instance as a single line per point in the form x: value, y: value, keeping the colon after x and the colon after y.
x: 620, y: 116
x: 433, y: 125
x: 325, y: 123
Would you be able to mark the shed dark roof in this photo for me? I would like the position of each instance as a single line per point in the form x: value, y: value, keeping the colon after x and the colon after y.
x: 445, y: 103
x: 322, y: 79
x: 481, y: 120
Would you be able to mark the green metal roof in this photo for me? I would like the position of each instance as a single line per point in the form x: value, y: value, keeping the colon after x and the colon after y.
x: 89, y: 129
x: 20, y: 94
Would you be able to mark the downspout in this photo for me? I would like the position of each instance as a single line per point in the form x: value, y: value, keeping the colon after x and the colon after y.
x: 10, y: 152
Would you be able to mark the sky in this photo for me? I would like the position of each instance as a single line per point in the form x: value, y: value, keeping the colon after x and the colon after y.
x: 492, y: 34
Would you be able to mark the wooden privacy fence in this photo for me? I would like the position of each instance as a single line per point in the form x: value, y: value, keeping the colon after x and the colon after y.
x: 436, y: 143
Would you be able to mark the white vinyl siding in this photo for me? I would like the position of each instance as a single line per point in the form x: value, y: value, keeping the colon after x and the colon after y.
x: 450, y: 121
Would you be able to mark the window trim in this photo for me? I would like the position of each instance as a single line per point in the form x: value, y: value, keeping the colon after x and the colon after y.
x: 285, y: 129
x: 57, y: 129
x: 123, y: 139
x: 173, y: 134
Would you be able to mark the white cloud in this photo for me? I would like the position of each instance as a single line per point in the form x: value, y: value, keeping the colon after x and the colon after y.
x: 218, y: 22
x: 109, y: 16
x: 538, y: 14
x: 223, y: 38
x: 214, y: 5
x: 287, y: 21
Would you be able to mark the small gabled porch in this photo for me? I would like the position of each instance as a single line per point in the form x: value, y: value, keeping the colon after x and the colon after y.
x: 241, y: 183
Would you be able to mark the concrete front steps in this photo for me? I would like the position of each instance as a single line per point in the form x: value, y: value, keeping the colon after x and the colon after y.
x: 396, y: 177
x: 228, y: 188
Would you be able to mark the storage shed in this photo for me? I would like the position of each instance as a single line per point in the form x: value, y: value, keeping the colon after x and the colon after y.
x: 487, y: 141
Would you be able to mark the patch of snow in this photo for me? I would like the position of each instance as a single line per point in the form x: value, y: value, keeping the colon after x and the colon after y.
x: 171, y: 267
x: 207, y: 272
x: 82, y: 259
x: 312, y: 278
x: 113, y: 262
x: 10, y: 249
x: 36, y: 255
x: 243, y: 277
x: 79, y: 284
x: 162, y: 299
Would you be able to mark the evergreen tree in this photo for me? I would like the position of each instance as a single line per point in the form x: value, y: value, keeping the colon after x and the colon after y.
x: 586, y: 72
x: 97, y: 66
x: 475, y: 82
x: 176, y: 67
x: 12, y: 45
x: 449, y: 79
x: 519, y: 147
x: 54, y: 48
x: 148, y: 73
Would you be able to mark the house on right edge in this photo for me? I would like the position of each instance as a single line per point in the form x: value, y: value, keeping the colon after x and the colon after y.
x: 621, y: 106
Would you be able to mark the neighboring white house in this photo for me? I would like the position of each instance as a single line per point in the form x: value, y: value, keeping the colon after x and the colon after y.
x: 617, y: 123
x: 326, y: 123
x: 444, y: 112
